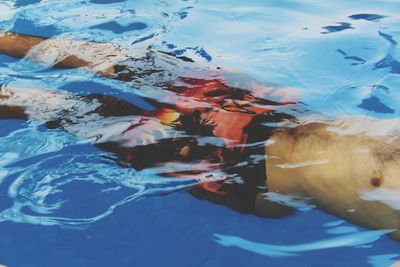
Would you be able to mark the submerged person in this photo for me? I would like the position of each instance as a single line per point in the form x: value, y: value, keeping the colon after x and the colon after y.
x: 347, y: 166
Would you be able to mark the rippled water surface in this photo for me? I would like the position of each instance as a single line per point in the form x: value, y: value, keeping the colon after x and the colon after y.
x: 65, y: 202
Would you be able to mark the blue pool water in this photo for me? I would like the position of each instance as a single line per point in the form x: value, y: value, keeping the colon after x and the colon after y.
x: 62, y: 203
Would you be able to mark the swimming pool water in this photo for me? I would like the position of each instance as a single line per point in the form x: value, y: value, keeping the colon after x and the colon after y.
x: 62, y: 203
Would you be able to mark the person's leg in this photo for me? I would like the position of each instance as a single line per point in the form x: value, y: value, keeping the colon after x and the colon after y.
x: 27, y: 103
x: 97, y: 118
x: 63, y: 53
x: 17, y: 45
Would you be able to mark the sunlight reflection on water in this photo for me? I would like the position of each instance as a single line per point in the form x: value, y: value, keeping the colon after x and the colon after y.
x: 343, y: 57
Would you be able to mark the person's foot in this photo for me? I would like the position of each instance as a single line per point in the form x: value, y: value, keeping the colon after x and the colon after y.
x: 4, y: 94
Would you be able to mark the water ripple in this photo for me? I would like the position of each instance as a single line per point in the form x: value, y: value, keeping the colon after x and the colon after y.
x: 348, y: 240
x: 51, y: 189
x: 51, y: 178
x: 368, y: 17
x: 341, y: 26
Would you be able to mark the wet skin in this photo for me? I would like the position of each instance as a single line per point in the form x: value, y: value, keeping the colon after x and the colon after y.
x: 348, y: 166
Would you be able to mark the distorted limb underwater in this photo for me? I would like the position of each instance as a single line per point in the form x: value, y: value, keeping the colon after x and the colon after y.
x: 347, y: 166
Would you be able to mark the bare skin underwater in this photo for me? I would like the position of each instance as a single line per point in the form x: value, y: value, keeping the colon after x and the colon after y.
x: 348, y: 166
